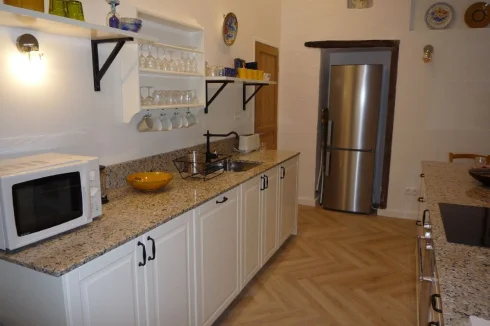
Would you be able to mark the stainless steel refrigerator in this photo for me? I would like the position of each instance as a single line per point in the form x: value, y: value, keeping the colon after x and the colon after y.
x: 351, y: 134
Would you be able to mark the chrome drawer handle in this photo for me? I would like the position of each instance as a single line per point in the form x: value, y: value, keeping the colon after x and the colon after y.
x: 422, y: 278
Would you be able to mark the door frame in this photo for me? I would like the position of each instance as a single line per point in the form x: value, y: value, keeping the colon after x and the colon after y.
x: 394, y: 47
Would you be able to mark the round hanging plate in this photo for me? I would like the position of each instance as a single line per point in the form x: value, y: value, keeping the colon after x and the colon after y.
x: 439, y: 15
x: 476, y: 16
x: 230, y: 29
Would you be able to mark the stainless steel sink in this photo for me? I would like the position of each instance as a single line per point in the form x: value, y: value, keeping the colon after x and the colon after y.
x: 239, y: 166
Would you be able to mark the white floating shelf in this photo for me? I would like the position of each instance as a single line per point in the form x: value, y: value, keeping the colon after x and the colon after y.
x: 179, y: 48
x: 241, y: 81
x: 166, y: 107
x: 156, y: 72
x: 23, y: 18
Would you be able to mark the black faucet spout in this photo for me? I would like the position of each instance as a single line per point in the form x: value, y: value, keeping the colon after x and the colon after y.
x: 208, y: 135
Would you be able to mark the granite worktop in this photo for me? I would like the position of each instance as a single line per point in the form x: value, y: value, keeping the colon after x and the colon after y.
x: 131, y: 213
x: 464, y: 271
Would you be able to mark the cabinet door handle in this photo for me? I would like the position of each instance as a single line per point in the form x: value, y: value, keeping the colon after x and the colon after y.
x: 153, y: 248
x: 266, y: 182
x: 262, y: 183
x: 283, y: 175
x: 418, y: 223
x: 422, y: 175
x: 225, y: 199
x: 144, y: 254
x: 433, y: 300
x: 421, y: 200
x: 434, y: 323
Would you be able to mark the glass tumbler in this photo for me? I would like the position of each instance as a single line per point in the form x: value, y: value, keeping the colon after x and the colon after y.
x: 58, y: 8
x: 74, y: 10
x: 480, y: 161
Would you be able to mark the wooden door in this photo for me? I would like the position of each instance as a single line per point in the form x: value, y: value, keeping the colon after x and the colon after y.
x: 111, y: 289
x: 267, y: 58
x: 170, y: 272
x: 289, y: 199
x: 217, y: 232
x: 251, y: 191
x: 270, y: 197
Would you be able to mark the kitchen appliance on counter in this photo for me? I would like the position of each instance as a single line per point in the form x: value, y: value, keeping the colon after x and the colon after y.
x: 351, y: 135
x: 469, y: 225
x: 429, y: 307
x: 249, y: 143
x: 45, y: 195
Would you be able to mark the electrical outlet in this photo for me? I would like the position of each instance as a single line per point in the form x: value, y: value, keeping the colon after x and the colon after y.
x: 411, y: 191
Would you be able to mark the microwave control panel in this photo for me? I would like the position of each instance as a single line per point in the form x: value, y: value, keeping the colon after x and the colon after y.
x: 95, y: 195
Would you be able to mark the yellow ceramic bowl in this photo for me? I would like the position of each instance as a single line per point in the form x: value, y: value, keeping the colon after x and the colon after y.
x: 149, y: 181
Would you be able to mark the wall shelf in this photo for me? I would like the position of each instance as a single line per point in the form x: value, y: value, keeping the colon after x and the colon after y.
x: 174, y: 47
x: 23, y: 18
x: 224, y: 81
x: 162, y: 73
x: 175, y: 106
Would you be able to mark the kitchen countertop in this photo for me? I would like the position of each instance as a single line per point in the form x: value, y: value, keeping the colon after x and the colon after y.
x: 464, y: 271
x: 131, y: 213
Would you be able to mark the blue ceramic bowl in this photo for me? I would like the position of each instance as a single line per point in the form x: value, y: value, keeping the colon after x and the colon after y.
x: 130, y: 24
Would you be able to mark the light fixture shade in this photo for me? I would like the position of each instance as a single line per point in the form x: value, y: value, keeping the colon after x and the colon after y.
x: 27, y: 43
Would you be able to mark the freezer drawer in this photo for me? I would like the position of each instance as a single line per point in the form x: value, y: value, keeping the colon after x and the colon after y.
x: 349, y: 181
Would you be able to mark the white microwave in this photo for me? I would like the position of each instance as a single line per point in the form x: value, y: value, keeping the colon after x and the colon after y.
x: 45, y: 195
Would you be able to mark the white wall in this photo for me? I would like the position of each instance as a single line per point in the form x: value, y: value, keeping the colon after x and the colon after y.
x: 61, y: 111
x: 440, y: 107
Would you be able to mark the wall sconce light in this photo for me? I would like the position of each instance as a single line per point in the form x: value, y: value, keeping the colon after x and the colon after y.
x: 428, y: 50
x: 28, y: 44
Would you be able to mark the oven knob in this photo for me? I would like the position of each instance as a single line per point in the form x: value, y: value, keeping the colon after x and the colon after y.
x: 93, y: 191
x: 91, y: 175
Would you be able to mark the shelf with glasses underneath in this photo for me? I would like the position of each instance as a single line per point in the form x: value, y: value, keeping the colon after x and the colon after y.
x: 173, y: 47
x: 224, y: 81
x: 162, y: 73
x: 174, y: 106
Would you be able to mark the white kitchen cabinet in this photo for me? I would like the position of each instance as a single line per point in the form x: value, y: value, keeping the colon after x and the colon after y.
x: 217, y: 231
x: 138, y: 283
x: 288, y: 202
x: 109, y: 290
x: 170, y: 275
x: 269, y: 207
x: 250, y: 230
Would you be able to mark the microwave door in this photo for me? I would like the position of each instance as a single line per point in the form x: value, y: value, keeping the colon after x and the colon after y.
x: 44, y: 203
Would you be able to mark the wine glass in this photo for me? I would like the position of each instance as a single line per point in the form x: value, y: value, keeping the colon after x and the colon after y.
x: 181, y: 63
x: 188, y: 64
x: 194, y: 64
x: 159, y: 61
x: 151, y: 63
x: 172, y: 64
x: 194, y: 98
x: 142, y: 59
x: 157, y: 97
x: 148, y: 101
x: 165, y: 62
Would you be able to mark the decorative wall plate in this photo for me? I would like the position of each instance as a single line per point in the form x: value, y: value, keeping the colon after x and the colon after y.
x: 439, y: 15
x: 230, y: 29
x: 476, y: 16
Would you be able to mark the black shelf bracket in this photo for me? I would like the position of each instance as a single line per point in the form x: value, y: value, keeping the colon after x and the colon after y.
x: 100, y: 72
x: 245, y: 100
x: 222, y: 87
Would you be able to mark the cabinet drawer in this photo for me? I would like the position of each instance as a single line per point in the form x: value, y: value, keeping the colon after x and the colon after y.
x: 214, y: 203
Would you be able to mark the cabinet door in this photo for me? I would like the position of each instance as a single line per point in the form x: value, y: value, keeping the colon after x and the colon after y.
x: 109, y: 290
x: 250, y: 221
x: 170, y: 272
x: 269, y: 205
x: 289, y: 199
x: 217, y: 256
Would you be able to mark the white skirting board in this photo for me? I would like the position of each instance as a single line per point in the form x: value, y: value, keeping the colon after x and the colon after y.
x: 305, y: 201
x: 409, y: 215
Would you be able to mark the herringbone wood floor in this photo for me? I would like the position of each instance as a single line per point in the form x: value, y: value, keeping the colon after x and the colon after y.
x: 341, y: 269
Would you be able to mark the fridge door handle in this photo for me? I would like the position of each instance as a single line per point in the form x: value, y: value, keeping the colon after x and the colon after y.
x: 327, y: 164
x: 330, y: 130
